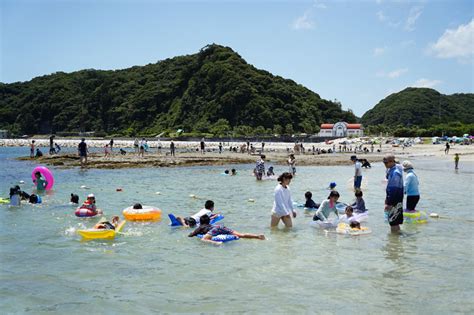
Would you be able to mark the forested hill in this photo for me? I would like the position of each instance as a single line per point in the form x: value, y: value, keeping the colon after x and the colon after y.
x: 421, y: 107
x: 212, y: 91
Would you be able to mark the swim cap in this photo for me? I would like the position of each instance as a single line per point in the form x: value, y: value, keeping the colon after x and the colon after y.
x: 90, y: 196
x: 332, y: 184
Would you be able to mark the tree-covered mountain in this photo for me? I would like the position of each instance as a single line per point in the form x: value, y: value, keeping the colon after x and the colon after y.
x: 421, y: 107
x: 213, y: 91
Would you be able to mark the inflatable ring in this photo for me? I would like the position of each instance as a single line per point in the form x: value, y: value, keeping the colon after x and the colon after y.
x: 148, y: 213
x: 416, y: 217
x: 85, y: 212
x: 344, y: 228
x: 46, y: 173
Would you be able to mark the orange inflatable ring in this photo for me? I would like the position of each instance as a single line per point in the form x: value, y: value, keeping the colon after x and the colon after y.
x: 148, y: 213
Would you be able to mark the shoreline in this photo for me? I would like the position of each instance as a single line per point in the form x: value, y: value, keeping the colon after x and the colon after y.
x: 186, y: 155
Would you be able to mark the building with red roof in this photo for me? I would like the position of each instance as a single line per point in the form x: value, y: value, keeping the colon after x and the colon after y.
x: 341, y: 129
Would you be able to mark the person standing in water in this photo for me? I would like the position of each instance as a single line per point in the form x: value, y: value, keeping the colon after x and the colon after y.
x: 292, y: 164
x: 203, y: 146
x: 172, y: 148
x: 260, y: 167
x: 51, y: 145
x: 32, y: 149
x: 357, y: 173
x: 446, y: 150
x: 283, y: 203
x: 111, y: 144
x: 82, y: 150
x: 394, y: 193
x: 411, y: 188
x: 456, y: 160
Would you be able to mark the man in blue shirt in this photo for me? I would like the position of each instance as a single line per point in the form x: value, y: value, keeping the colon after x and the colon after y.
x: 394, y: 193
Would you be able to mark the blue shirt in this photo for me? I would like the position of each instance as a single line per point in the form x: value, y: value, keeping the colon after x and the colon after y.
x: 394, y: 189
x: 411, y: 184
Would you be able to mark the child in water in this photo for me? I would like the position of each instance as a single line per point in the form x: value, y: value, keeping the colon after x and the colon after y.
x: 209, y: 231
x: 192, y: 221
x: 309, y: 201
x: 233, y: 172
x: 74, y: 199
x: 40, y: 182
x: 326, y: 207
x: 270, y: 171
x: 108, y: 225
x: 90, y: 204
x: 359, y: 204
x: 348, y: 217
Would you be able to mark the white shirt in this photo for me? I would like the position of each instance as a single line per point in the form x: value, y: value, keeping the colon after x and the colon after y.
x: 283, y: 204
x: 201, y: 212
x: 358, y: 168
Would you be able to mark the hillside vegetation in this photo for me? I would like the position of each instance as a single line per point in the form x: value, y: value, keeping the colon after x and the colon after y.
x: 214, y: 91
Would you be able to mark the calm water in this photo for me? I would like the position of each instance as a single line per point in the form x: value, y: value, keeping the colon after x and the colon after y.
x: 45, y: 268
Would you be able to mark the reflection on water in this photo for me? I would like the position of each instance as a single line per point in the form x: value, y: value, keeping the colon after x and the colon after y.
x: 45, y: 267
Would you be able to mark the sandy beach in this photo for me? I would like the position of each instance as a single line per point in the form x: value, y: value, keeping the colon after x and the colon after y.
x: 276, y: 153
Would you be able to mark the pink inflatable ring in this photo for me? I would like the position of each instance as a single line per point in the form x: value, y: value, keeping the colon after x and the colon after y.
x: 47, y: 175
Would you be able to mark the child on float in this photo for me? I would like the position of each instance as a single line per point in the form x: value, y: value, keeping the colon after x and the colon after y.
x: 326, y: 207
x: 209, y: 231
x: 359, y: 204
x: 309, y: 201
x: 193, y: 220
x: 40, y: 182
x: 90, y: 204
x: 107, y: 225
x: 283, y: 203
x: 348, y: 216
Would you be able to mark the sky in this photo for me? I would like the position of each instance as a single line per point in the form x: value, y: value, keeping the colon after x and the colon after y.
x: 357, y: 52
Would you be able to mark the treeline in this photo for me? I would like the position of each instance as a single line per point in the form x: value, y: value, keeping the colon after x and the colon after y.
x: 421, y: 108
x: 212, y: 92
x: 449, y: 129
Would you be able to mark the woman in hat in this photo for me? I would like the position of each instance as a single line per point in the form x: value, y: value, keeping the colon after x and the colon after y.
x: 411, y: 188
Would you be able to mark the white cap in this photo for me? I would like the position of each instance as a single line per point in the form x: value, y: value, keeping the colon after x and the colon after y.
x: 407, y: 165
x: 90, y: 196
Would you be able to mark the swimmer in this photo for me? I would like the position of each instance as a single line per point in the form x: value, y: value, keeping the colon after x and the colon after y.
x: 332, y: 186
x: 209, y: 231
x: 270, y: 171
x: 309, y: 201
x: 108, y: 225
x: 74, y: 199
x: 355, y: 225
x: 33, y: 199
x: 40, y: 182
x: 233, y: 172
x: 326, y: 207
x: 226, y: 172
x: 137, y: 206
x: 359, y: 204
x: 192, y: 221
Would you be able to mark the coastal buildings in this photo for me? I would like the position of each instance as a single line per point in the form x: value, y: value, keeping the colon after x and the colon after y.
x: 341, y: 129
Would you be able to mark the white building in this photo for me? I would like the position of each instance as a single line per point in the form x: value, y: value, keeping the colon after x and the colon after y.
x: 341, y: 129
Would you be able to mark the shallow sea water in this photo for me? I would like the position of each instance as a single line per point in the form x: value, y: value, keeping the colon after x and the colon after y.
x: 46, y: 268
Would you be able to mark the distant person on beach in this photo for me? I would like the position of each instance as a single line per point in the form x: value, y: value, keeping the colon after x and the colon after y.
x: 38, y: 153
x: 203, y: 146
x: 292, y: 164
x: 357, y: 173
x: 359, y: 205
x: 106, y: 151
x: 327, y: 207
x: 446, y: 150
x: 123, y: 152
x: 141, y: 151
x: 283, y: 203
x: 57, y: 147
x: 193, y: 220
x: 172, y: 148
x: 372, y: 148
x: 220, y: 147
x: 40, y: 182
x: 411, y: 187
x: 248, y: 147
x: 111, y: 143
x: 209, y: 231
x: 51, y: 145
x: 260, y: 167
x: 310, y: 204
x: 82, y: 150
x: 263, y: 146
x: 394, y: 193
x: 456, y: 160
x: 32, y: 149
x: 135, y: 145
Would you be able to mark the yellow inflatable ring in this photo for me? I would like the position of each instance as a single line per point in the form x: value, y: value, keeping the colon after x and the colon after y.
x: 148, y: 213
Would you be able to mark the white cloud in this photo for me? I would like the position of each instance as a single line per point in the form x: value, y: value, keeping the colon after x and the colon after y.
x: 381, y: 16
x: 407, y: 43
x: 413, y: 15
x: 396, y: 73
x: 426, y: 83
x: 378, y: 1
x: 318, y: 4
x: 303, y: 22
x: 456, y: 43
x: 379, y: 51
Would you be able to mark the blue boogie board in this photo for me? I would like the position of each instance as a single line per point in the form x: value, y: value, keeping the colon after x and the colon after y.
x: 175, y: 222
x: 222, y: 238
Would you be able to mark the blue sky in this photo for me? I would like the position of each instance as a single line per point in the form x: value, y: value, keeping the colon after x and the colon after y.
x: 357, y: 52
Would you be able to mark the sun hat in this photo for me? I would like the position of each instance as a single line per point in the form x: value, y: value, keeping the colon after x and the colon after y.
x: 407, y: 165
